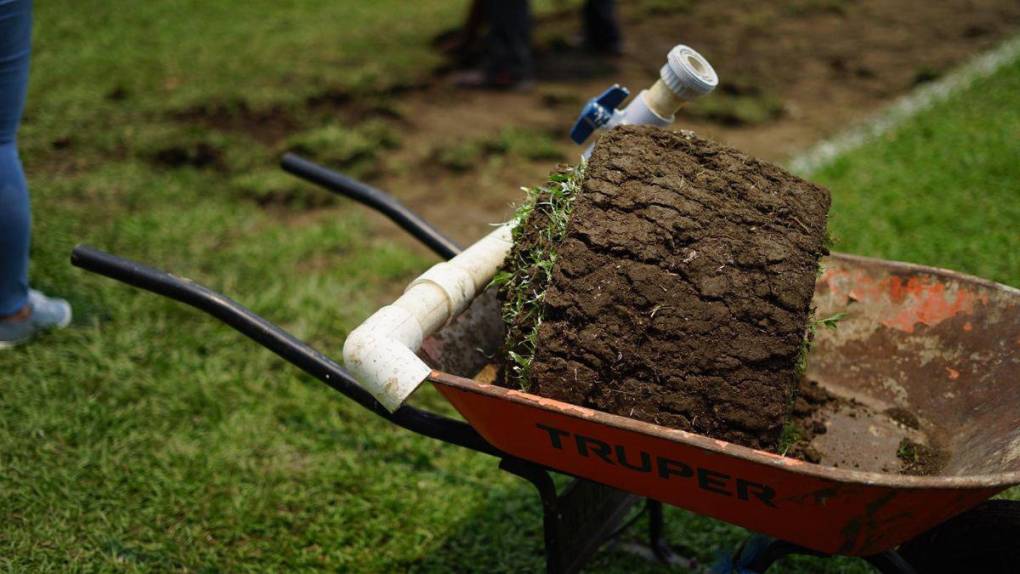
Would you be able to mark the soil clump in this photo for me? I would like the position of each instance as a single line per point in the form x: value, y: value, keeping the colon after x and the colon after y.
x: 806, y: 422
x: 920, y: 459
x: 678, y: 290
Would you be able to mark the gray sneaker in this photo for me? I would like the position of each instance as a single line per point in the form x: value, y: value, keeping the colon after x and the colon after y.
x: 47, y: 313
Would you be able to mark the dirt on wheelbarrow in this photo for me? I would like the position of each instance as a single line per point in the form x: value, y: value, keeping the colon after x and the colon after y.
x: 679, y: 291
x: 816, y: 411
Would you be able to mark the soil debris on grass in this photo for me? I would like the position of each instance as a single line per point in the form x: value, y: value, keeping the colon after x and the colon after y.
x: 200, y: 155
x: 464, y: 155
x: 678, y: 281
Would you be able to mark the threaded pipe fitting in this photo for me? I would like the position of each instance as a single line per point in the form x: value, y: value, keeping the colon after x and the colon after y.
x: 687, y: 73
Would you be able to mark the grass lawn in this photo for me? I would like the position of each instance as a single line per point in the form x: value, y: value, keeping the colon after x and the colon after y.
x: 943, y: 190
x: 150, y: 438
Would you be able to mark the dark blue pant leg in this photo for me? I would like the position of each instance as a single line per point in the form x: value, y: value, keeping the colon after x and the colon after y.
x: 601, y: 28
x: 508, y: 46
x: 15, y: 215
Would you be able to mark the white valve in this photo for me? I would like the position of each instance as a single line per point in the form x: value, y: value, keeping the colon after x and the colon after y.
x: 684, y: 77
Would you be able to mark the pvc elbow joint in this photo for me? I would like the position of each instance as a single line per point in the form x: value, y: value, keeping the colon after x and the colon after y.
x: 382, y: 352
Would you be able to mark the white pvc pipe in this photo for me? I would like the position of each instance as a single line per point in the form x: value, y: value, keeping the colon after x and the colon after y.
x: 381, y: 352
x: 643, y: 110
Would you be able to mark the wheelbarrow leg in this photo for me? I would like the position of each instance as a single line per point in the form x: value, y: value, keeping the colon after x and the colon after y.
x: 576, y: 521
x: 656, y: 527
x: 543, y: 483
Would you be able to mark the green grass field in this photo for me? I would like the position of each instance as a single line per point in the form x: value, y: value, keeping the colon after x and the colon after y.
x: 943, y: 190
x: 148, y: 437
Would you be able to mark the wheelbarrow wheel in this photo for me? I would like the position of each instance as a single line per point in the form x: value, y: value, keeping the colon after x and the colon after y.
x: 984, y: 539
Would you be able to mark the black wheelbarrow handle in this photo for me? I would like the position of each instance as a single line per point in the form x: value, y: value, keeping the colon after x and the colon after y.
x: 277, y: 340
x: 374, y: 198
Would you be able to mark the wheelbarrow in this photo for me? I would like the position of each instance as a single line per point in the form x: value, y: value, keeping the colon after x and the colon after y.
x: 942, y: 344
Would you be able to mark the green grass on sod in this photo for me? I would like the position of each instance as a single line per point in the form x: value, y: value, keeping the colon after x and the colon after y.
x: 150, y: 438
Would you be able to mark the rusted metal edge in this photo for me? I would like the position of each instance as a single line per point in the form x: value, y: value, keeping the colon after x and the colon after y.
x: 902, y: 266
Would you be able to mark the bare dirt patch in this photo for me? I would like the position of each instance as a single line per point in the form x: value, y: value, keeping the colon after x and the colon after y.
x: 266, y: 126
x: 792, y: 73
x: 198, y: 154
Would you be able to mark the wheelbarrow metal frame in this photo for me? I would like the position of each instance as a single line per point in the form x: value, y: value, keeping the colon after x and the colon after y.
x: 570, y: 537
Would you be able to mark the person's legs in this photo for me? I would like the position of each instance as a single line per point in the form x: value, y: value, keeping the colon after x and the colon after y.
x: 23, y: 311
x: 601, y: 29
x: 509, y: 41
x: 15, y: 227
x: 15, y: 216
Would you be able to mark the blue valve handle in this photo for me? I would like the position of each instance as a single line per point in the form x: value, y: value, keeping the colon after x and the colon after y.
x: 597, y: 112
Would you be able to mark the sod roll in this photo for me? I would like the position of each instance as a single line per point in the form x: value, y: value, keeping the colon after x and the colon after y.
x: 670, y: 281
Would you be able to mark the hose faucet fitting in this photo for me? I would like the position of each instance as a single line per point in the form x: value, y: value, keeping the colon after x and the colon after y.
x: 684, y: 77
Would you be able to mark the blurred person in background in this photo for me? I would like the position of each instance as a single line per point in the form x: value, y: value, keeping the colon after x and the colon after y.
x: 507, y: 49
x: 23, y: 311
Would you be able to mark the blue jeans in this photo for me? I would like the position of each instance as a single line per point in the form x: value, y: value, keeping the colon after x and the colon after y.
x: 15, y: 215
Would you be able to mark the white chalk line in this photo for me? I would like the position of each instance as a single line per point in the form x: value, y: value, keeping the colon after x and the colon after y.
x: 924, y: 97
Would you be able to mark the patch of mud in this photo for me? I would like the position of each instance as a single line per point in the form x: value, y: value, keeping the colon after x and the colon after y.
x: 904, y: 417
x: 355, y: 107
x: 266, y: 126
x: 275, y: 190
x: 199, y: 154
x: 274, y: 124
